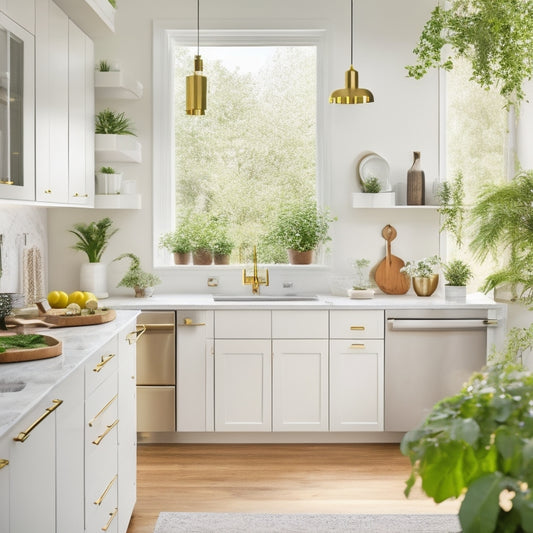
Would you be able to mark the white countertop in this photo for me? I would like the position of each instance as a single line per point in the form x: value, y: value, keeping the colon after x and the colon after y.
x: 40, y: 376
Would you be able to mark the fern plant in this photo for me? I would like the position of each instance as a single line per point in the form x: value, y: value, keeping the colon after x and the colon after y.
x: 451, y: 208
x: 93, y: 238
x: 112, y: 122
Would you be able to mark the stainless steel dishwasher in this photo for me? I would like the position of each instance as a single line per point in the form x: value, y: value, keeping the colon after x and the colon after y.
x: 429, y: 355
x: 156, y: 372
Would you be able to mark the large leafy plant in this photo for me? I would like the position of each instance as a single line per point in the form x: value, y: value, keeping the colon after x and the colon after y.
x: 93, y: 238
x: 480, y: 441
x: 495, y: 36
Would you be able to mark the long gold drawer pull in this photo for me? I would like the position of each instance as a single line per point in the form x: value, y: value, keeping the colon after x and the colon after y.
x: 134, y: 336
x: 107, y: 489
x: 103, y: 361
x: 189, y: 323
x: 111, y: 515
x: 3, y: 462
x: 157, y: 327
x: 490, y: 322
x: 93, y: 419
x: 357, y: 328
x: 23, y: 435
x: 358, y: 346
x: 99, y: 439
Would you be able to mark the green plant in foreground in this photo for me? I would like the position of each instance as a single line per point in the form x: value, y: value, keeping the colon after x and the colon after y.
x: 93, y: 238
x: 136, y: 276
x: 452, y: 211
x: 480, y: 441
x: 112, y: 122
x: 372, y: 185
x: 457, y: 273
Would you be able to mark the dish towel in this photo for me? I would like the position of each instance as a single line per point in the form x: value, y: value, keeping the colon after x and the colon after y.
x: 32, y: 275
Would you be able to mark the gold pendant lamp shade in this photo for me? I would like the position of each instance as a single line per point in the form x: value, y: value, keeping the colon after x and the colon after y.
x: 351, y: 93
x: 196, y: 84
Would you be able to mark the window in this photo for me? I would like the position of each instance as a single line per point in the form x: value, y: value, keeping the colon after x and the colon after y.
x: 255, y: 149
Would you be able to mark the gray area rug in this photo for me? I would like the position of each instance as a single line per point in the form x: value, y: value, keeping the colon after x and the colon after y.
x: 305, y: 523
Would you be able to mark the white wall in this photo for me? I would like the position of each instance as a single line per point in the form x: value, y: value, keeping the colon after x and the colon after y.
x: 404, y: 118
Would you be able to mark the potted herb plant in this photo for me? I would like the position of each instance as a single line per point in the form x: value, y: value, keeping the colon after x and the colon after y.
x: 115, y: 132
x: 108, y: 181
x: 222, y: 243
x: 136, y: 278
x: 424, y: 274
x: 178, y: 242
x: 301, y: 228
x: 457, y: 274
x: 361, y: 287
x: 93, y: 239
x: 202, y: 233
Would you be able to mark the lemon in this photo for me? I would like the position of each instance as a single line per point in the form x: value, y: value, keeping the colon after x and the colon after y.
x: 91, y: 305
x: 77, y: 297
x: 58, y: 299
x: 89, y: 296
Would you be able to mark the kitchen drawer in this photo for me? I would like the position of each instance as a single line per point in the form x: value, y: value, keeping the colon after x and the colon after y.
x: 101, y: 411
x: 300, y: 324
x: 357, y: 324
x: 156, y: 409
x: 101, y: 365
x: 101, y: 482
x: 244, y: 324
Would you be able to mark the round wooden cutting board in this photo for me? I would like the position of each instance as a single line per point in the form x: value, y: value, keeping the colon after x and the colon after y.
x: 388, y: 276
x: 17, y: 355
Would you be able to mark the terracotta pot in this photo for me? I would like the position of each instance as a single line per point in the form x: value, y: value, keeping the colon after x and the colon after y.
x: 202, y: 257
x: 425, y: 286
x: 182, y: 258
x: 300, y: 258
x: 221, y: 259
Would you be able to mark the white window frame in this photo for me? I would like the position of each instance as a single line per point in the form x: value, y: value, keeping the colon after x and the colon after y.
x: 166, y: 35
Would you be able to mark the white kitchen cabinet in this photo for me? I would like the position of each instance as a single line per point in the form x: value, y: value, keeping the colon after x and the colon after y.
x: 4, y: 483
x: 242, y: 384
x: 81, y: 117
x: 52, y: 103
x: 356, y: 324
x: 194, y: 371
x: 21, y: 11
x: 300, y: 384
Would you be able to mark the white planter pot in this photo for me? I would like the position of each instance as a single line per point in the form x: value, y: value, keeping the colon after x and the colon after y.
x: 455, y: 294
x: 93, y: 278
x: 369, y: 199
x: 108, y: 183
x: 361, y: 294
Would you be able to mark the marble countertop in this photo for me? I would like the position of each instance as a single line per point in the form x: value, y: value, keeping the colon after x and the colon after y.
x: 41, y: 376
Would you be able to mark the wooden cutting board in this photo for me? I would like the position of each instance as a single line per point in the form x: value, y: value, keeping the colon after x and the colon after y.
x: 56, y: 318
x: 17, y: 355
x: 388, y: 276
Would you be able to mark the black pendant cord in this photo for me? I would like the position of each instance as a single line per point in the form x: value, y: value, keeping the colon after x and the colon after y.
x: 351, y: 36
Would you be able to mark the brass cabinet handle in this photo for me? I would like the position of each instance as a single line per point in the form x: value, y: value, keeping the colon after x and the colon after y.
x: 157, y: 327
x: 93, y: 419
x: 187, y: 322
x: 490, y: 322
x: 112, y: 515
x: 357, y: 328
x: 78, y: 195
x: 23, y: 435
x: 103, y: 361
x: 107, y: 489
x: 108, y: 428
x: 357, y: 346
x: 48, y: 191
x: 3, y: 462
x: 134, y: 336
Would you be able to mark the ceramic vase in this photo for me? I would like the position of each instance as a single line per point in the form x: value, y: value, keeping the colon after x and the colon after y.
x: 425, y: 286
x: 455, y: 294
x: 415, y: 182
x: 93, y: 278
x: 300, y: 258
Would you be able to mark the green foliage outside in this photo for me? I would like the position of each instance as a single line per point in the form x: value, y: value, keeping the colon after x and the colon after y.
x: 253, y: 150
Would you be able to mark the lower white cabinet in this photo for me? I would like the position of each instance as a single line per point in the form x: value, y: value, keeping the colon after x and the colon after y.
x: 356, y: 385
x: 300, y: 385
x: 4, y: 483
x: 242, y: 385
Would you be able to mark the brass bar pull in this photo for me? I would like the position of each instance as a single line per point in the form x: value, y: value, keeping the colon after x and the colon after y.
x: 134, y: 336
x: 93, y: 419
x: 490, y: 322
x: 157, y: 327
x: 357, y: 328
x: 357, y: 346
x: 103, y: 361
x: 3, y: 462
x: 112, y: 515
x: 189, y: 323
x: 108, y: 428
x: 23, y: 435
x: 107, y: 489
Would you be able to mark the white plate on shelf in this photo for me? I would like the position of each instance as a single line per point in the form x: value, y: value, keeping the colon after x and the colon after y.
x: 373, y: 165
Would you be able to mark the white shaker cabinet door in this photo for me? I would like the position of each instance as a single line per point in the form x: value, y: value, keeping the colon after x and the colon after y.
x: 4, y: 483
x: 356, y: 385
x: 243, y: 385
x: 300, y: 385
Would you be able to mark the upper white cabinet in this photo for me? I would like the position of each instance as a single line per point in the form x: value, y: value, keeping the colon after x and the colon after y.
x: 21, y: 11
x: 90, y: 15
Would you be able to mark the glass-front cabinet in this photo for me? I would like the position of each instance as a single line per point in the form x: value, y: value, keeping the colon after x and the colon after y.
x: 17, y: 173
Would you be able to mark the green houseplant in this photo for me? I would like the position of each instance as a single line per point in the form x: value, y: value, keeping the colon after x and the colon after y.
x: 136, y: 278
x: 178, y: 242
x: 108, y: 181
x: 423, y: 273
x: 301, y: 228
x: 202, y: 232
x: 361, y: 287
x: 114, y: 123
x: 452, y: 210
x: 457, y: 274
x: 104, y: 65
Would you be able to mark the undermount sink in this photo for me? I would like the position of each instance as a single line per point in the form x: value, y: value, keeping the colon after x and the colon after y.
x: 12, y: 387
x: 264, y: 298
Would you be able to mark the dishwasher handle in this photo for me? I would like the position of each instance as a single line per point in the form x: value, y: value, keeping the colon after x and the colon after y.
x: 441, y: 323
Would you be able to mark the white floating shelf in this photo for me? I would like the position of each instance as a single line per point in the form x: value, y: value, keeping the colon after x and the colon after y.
x: 117, y: 201
x: 368, y: 199
x: 120, y: 148
x: 111, y: 85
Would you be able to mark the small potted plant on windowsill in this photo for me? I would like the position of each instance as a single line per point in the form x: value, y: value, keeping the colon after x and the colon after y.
x: 136, y: 278
x: 361, y: 288
x: 108, y: 181
x: 424, y: 275
x: 202, y: 233
x: 457, y: 274
x: 178, y: 243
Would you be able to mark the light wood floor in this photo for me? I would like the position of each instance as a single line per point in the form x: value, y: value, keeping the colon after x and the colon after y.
x: 273, y: 478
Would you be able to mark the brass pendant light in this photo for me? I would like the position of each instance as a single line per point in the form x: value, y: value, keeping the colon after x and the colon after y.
x: 196, y: 88
x: 351, y: 93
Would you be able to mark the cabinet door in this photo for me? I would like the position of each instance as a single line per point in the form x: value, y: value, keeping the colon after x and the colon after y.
x: 81, y: 117
x: 356, y: 385
x: 5, y: 470
x: 33, y: 471
x: 51, y: 96
x: 21, y: 11
x: 300, y: 385
x: 356, y: 324
x: 242, y: 385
